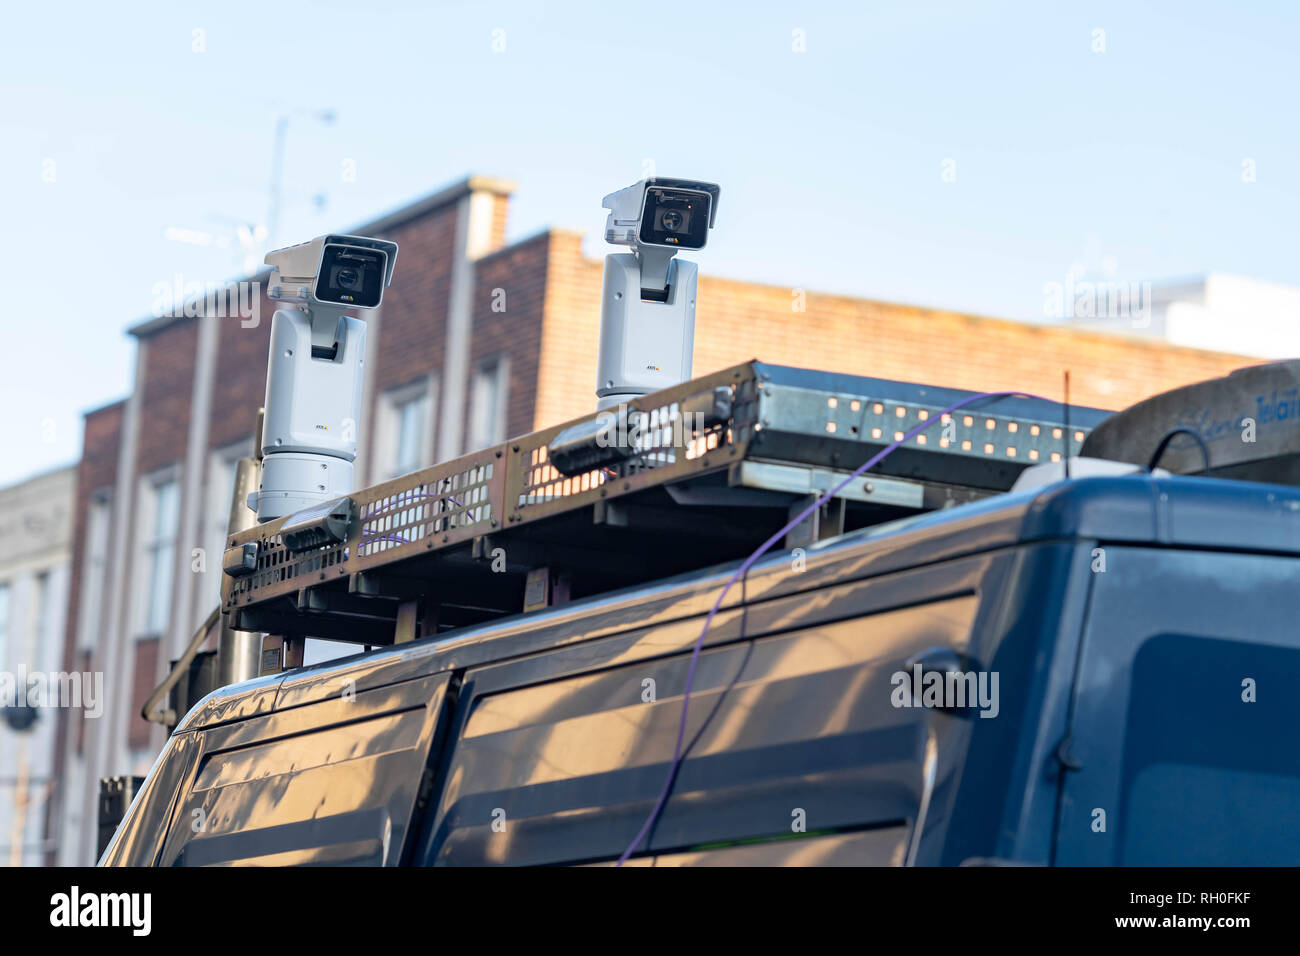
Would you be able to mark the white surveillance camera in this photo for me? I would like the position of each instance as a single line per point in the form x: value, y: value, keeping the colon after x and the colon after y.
x: 314, y: 372
x: 351, y: 271
x: 647, y: 324
x: 677, y: 213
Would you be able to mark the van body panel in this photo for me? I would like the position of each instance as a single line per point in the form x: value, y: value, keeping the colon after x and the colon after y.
x: 335, y: 782
x: 154, y: 806
x: 237, y: 702
x: 791, y: 729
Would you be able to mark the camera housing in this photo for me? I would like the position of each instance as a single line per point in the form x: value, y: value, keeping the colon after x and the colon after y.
x: 647, y: 324
x: 314, y: 372
x: 675, y: 213
x: 348, y: 271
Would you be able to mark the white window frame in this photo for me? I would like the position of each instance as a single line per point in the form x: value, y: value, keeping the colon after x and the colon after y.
x: 488, y: 427
x: 146, y: 547
x: 388, y: 431
x: 217, y: 490
x: 94, y: 568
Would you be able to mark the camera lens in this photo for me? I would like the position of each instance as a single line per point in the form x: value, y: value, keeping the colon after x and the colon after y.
x: 351, y: 275
x: 674, y: 217
x: 349, y: 278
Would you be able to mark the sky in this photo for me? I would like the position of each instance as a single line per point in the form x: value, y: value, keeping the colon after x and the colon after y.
x: 942, y: 154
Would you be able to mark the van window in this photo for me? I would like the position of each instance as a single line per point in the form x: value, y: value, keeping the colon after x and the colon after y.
x: 1205, y: 781
x: 329, y: 783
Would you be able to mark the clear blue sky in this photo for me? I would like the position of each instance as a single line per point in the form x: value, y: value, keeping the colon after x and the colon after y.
x: 1127, y: 161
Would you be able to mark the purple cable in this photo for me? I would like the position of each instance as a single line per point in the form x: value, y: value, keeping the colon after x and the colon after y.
x: 405, y: 502
x: 370, y: 537
x: 744, y: 569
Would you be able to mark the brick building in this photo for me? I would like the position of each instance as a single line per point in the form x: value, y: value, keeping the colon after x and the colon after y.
x: 477, y: 339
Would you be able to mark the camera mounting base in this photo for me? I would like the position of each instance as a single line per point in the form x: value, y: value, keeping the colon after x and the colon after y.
x: 647, y: 324
x: 293, y: 481
x: 313, y: 405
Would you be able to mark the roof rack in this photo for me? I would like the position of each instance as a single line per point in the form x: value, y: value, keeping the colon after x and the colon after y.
x: 685, y: 478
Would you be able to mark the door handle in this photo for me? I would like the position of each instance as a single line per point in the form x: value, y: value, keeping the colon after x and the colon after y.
x: 944, y: 661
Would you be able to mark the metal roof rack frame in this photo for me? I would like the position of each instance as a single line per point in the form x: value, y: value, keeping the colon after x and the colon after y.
x: 684, y: 478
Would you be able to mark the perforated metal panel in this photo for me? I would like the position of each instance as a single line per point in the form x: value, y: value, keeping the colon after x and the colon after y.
x: 961, y: 432
x: 456, y: 501
x: 667, y: 442
x: 446, y: 504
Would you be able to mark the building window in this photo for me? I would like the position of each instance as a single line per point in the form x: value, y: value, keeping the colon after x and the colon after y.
x: 223, y: 467
x: 487, y: 403
x: 93, y: 568
x: 160, y: 554
x: 404, y: 441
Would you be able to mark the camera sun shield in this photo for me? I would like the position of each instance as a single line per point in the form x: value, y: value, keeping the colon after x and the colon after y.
x: 351, y: 276
x: 675, y: 217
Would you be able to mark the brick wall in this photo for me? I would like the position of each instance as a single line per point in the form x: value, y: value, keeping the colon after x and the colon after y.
x: 567, y: 384
x: 239, y: 386
x: 168, y: 388
x: 413, y: 328
x: 738, y: 321
x: 519, y: 271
